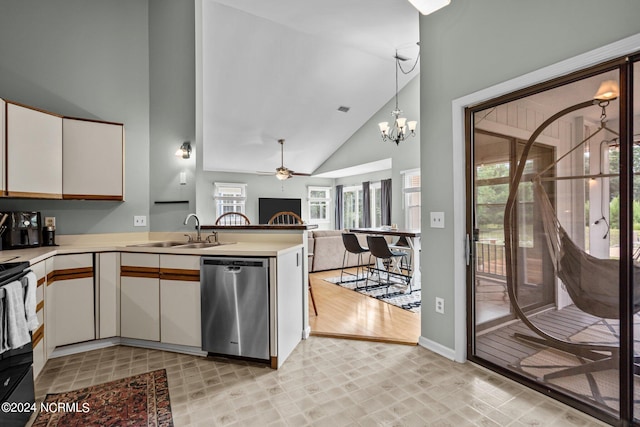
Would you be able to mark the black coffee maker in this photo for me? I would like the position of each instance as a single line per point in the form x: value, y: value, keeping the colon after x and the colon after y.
x: 22, y: 230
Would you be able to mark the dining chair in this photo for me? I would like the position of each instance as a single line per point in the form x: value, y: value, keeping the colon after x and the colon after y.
x: 352, y: 245
x: 232, y: 218
x: 285, y: 218
x: 389, y: 262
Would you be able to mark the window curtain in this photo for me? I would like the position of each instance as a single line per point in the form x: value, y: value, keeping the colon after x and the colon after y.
x: 339, y: 220
x: 385, y: 201
x: 366, y: 205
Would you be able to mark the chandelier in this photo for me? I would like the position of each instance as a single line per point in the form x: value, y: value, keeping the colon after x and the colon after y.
x: 401, y: 128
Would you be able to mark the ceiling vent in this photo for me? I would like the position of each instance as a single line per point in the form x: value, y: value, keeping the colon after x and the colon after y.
x: 343, y: 108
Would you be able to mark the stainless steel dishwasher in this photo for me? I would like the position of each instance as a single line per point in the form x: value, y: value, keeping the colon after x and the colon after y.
x: 235, y: 306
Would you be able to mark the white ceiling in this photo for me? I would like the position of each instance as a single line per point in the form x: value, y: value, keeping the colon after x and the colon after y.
x: 281, y: 68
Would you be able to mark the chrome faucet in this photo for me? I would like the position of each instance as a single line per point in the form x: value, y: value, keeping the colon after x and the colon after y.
x: 198, y: 239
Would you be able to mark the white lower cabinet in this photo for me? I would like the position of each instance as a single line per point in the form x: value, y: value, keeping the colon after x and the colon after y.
x: 140, y: 296
x: 49, y: 310
x: 108, y: 275
x: 180, y: 300
x: 73, y: 298
x: 38, y: 336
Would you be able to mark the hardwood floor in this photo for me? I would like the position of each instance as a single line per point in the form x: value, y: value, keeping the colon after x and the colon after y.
x: 343, y: 313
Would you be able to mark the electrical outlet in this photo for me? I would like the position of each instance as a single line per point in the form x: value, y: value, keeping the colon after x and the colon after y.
x: 440, y: 305
x: 437, y: 219
x: 140, y: 221
x: 49, y: 221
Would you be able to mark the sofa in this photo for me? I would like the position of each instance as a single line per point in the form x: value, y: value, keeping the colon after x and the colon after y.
x: 327, y: 249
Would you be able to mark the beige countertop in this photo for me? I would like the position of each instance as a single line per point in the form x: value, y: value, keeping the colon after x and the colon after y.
x: 112, y: 244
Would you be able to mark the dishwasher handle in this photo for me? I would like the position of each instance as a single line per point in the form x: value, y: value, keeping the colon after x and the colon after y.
x: 234, y: 262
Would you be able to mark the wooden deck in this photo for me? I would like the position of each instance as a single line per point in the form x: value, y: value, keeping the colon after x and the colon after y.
x: 500, y: 347
x: 343, y: 313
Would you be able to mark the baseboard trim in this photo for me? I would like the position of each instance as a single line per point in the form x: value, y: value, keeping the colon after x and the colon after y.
x: 306, y: 332
x: 82, y: 347
x: 438, y: 348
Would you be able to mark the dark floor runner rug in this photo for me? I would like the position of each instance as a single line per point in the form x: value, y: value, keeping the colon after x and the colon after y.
x: 141, y: 400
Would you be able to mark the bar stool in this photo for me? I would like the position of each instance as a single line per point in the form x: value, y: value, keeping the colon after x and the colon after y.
x: 352, y: 245
x: 402, y: 244
x: 388, y: 259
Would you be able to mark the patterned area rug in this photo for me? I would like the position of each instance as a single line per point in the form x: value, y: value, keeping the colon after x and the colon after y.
x: 394, y: 296
x: 141, y: 400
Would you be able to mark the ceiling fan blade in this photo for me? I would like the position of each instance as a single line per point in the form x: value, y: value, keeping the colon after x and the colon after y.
x: 265, y: 173
x: 300, y: 173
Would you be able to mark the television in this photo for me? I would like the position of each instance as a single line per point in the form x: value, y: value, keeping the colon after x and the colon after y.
x: 267, y: 207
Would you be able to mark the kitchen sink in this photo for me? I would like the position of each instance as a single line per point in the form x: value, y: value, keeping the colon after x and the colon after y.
x: 200, y: 245
x: 167, y: 244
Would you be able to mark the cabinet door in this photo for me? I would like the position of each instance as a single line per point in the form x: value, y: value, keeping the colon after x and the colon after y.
x: 73, y: 302
x: 108, y: 294
x: 289, y: 288
x: 49, y: 310
x: 73, y: 298
x: 34, y: 153
x: 37, y: 337
x: 180, y: 300
x: 140, y: 308
x: 92, y: 155
x: 140, y: 296
x: 180, y: 312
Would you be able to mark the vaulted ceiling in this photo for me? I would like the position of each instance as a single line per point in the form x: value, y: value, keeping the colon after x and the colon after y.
x: 282, y: 68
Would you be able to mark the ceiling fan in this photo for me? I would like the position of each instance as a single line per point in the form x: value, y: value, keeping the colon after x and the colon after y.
x: 283, y: 173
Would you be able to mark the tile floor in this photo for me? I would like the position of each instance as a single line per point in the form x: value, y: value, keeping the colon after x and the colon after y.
x: 325, y: 382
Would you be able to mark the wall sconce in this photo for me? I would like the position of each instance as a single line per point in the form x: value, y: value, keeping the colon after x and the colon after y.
x: 184, y: 151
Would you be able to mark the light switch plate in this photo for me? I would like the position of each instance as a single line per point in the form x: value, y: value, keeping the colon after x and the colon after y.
x: 49, y: 221
x: 140, y: 221
x: 437, y: 219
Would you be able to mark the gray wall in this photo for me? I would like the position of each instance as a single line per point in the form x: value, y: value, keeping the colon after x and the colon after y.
x: 84, y: 58
x: 172, y: 111
x: 468, y: 46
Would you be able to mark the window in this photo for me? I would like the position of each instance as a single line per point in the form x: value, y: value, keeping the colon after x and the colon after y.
x: 319, y: 204
x: 411, y: 191
x: 352, y: 206
x: 229, y: 197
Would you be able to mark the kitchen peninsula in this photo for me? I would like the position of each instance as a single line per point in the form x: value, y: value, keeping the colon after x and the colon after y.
x: 130, y: 289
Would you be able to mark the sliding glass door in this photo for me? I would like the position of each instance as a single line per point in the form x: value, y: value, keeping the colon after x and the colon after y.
x: 550, y: 237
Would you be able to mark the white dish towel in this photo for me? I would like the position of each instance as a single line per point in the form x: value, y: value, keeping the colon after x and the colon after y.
x: 17, y: 330
x: 30, y: 300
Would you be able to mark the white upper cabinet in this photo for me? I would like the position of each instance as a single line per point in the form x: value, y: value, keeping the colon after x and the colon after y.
x: 92, y: 156
x: 34, y: 153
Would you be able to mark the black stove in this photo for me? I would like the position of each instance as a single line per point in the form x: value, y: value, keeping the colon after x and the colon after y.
x: 16, y: 371
x: 8, y: 270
